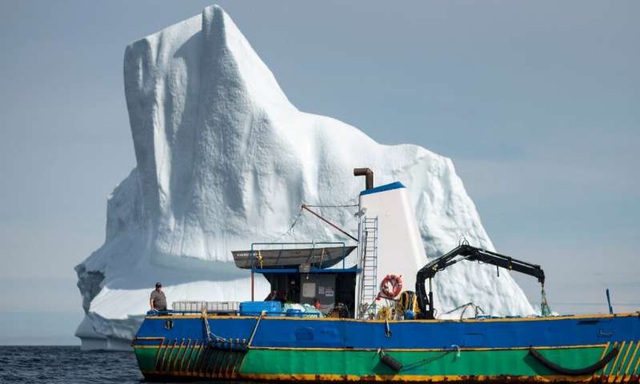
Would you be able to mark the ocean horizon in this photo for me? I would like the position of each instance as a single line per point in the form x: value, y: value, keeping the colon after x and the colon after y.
x: 66, y: 364
x: 22, y: 328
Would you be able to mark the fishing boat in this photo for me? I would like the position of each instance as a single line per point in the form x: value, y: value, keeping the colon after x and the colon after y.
x: 340, y: 321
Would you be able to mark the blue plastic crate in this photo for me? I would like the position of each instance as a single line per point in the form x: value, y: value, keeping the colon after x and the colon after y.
x: 255, y: 308
x: 291, y: 312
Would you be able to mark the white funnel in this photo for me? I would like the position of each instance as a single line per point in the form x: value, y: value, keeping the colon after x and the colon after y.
x: 399, y: 247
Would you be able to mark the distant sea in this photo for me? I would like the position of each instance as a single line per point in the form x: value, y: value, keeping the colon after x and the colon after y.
x: 68, y: 365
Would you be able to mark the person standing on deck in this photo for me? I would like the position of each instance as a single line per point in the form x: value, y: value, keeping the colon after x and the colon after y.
x: 158, y: 301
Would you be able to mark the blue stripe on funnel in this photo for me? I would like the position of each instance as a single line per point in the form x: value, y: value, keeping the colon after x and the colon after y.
x: 382, y: 188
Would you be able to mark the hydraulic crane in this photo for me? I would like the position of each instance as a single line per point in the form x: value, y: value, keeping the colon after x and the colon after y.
x: 466, y: 252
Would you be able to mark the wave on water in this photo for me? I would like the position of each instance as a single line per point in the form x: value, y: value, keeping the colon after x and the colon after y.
x: 51, y: 364
x: 69, y: 365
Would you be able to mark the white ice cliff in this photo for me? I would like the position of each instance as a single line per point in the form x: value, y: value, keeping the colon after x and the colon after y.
x: 223, y: 160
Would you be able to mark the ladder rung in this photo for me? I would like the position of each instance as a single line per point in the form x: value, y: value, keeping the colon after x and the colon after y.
x: 369, y: 286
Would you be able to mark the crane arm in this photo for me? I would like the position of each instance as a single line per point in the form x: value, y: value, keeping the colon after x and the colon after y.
x: 466, y: 252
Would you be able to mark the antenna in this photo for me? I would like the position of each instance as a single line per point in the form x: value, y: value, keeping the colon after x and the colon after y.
x: 609, y: 302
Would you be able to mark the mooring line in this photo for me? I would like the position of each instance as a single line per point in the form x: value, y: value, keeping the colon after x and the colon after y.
x: 634, y: 357
x: 613, y: 367
x: 604, y: 369
x: 189, y: 353
x: 215, y: 367
x: 163, y: 352
x: 158, y: 353
x: 167, y: 364
x: 624, y: 359
x: 255, y: 329
x: 185, y: 358
x: 202, y: 364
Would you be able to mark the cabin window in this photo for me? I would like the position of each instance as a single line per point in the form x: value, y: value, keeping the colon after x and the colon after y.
x: 309, y: 290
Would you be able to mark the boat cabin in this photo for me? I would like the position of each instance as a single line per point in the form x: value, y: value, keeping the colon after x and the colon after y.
x: 316, y: 275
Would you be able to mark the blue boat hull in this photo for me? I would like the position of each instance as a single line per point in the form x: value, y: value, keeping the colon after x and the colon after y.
x: 587, y: 348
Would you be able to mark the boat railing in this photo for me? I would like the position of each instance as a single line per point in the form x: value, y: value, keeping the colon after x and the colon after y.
x: 200, y: 306
x: 172, y: 312
x: 230, y: 308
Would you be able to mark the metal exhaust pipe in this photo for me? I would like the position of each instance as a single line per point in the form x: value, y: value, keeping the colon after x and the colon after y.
x: 368, y: 173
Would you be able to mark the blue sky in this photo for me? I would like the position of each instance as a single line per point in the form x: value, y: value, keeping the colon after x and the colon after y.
x: 537, y: 104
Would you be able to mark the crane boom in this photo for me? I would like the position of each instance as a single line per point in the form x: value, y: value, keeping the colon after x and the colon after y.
x: 466, y: 252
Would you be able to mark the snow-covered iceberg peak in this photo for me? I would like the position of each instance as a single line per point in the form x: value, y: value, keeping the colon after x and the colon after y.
x: 200, y: 102
x: 224, y: 160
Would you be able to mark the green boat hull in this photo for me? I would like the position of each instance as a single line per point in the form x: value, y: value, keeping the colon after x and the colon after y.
x: 194, y: 360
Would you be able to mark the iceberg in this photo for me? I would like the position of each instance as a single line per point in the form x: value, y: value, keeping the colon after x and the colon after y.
x: 224, y: 159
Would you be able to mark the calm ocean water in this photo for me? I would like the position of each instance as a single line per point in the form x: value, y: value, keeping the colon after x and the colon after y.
x: 66, y: 365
